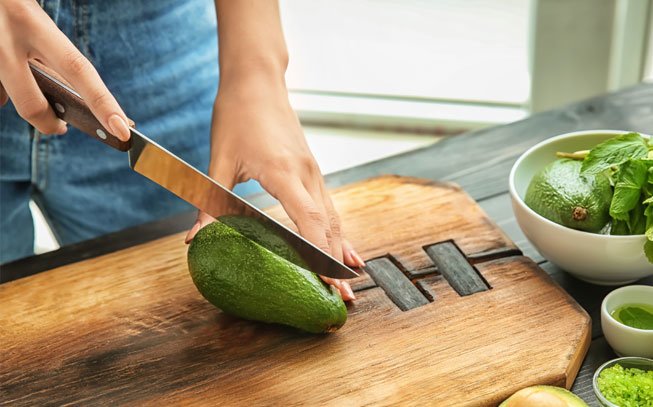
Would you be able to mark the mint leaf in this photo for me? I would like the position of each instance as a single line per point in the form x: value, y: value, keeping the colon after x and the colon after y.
x: 648, y: 212
x: 637, y: 219
x: 636, y: 317
x: 615, y: 151
x: 619, y: 227
x: 629, y: 181
x: 648, y: 246
x: 648, y: 250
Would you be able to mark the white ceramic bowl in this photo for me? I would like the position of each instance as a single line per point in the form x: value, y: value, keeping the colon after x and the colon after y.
x: 599, y: 259
x: 624, y: 339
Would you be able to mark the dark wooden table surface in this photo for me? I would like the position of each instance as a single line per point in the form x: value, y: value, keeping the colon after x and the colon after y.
x: 478, y: 161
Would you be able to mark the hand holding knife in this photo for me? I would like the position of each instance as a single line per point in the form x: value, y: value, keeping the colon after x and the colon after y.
x: 164, y: 168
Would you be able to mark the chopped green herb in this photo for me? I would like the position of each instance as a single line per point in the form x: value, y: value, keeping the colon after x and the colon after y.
x: 627, y: 387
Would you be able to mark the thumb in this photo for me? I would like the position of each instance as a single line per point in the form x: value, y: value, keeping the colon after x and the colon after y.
x: 226, y: 177
x: 203, y: 219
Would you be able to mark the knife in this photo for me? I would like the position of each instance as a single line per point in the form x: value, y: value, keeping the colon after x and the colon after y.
x: 154, y: 162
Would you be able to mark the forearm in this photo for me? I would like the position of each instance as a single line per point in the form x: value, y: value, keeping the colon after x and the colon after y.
x: 251, y: 41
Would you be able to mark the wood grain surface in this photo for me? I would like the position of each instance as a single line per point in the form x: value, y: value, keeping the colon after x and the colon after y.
x: 130, y: 327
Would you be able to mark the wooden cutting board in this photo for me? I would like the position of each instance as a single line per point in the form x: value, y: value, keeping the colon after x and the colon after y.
x: 427, y: 328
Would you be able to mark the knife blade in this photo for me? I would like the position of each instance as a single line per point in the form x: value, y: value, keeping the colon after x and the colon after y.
x: 154, y: 162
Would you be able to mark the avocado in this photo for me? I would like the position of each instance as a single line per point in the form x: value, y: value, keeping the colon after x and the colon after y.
x: 561, y: 194
x: 255, y: 230
x: 543, y: 396
x: 237, y: 273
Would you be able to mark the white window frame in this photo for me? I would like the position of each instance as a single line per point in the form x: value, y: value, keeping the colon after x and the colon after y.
x: 604, y: 43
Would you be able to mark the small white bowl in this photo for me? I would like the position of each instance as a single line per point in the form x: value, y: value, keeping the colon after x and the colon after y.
x: 626, y: 340
x: 598, y: 259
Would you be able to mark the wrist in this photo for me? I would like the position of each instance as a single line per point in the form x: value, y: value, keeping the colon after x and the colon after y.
x: 247, y: 85
x: 254, y: 67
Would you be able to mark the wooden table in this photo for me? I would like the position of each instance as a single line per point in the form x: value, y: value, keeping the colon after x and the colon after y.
x: 478, y: 161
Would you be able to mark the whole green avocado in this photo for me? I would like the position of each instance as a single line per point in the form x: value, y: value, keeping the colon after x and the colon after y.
x: 237, y: 273
x: 561, y: 194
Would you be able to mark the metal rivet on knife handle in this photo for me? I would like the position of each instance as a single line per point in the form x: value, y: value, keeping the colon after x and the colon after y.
x: 69, y: 106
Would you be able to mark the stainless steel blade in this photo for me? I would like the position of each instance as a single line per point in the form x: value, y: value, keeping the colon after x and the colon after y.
x: 161, y: 166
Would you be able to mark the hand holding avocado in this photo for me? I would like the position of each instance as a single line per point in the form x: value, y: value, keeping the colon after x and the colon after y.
x: 608, y: 189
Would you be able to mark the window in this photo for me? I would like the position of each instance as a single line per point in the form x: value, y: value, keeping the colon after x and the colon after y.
x: 458, y: 63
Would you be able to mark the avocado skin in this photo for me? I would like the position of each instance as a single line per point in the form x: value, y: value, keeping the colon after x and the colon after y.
x: 257, y: 231
x: 559, y: 190
x: 243, y: 278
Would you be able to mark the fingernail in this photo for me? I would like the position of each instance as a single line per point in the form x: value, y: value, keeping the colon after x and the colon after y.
x: 359, y: 259
x: 62, y: 128
x: 118, y: 127
x: 192, y: 232
x: 349, y: 291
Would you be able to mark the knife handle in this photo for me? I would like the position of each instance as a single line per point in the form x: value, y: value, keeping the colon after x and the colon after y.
x: 71, y: 108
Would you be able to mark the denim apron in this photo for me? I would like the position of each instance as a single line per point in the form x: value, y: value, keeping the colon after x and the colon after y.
x: 160, y: 61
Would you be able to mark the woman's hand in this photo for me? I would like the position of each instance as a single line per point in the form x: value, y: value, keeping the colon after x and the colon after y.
x: 257, y: 135
x: 27, y: 32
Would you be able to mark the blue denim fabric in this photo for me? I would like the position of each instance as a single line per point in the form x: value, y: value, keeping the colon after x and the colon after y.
x: 159, y: 59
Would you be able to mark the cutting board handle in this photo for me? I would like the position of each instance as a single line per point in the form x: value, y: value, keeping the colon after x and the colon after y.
x: 69, y: 106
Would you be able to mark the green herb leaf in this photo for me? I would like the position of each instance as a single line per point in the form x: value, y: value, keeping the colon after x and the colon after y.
x: 619, y: 227
x: 637, y: 219
x: 629, y: 181
x: 615, y: 151
x: 648, y: 250
x: 648, y: 213
x: 636, y: 317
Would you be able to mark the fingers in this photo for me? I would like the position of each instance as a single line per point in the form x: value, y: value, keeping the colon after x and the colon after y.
x: 352, y: 259
x: 3, y: 96
x: 225, y: 175
x: 31, y: 105
x: 300, y: 207
x: 350, y: 256
x: 323, y: 202
x: 203, y: 219
x: 343, y: 287
x: 341, y: 249
x: 311, y: 215
x: 61, y: 55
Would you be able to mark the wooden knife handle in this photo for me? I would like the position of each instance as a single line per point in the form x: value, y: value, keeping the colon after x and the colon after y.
x: 71, y: 108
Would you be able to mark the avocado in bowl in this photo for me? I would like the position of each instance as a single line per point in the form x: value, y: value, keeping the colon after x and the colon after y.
x: 591, y: 256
